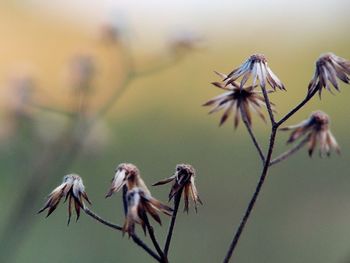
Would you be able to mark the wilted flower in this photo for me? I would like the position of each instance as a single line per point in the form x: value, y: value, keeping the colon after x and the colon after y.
x: 127, y: 174
x: 234, y: 99
x: 316, y: 130
x: 329, y: 67
x: 139, y: 204
x: 82, y: 71
x: 257, y: 68
x: 110, y: 33
x: 72, y: 188
x: 183, y: 180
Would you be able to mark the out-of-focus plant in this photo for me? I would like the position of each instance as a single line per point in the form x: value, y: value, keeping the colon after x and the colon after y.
x: 59, y: 152
x: 242, y: 95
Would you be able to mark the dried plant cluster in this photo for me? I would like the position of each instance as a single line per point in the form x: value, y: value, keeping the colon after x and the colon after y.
x: 245, y: 93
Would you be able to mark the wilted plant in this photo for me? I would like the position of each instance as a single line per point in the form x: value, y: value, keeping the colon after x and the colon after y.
x: 137, y: 200
x: 313, y: 131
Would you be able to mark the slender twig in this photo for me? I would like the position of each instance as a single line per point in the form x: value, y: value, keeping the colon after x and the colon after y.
x: 154, y: 239
x: 177, y: 199
x: 290, y: 152
x: 296, y: 108
x: 253, y: 199
x: 250, y: 131
x: 134, y: 237
x: 268, y: 106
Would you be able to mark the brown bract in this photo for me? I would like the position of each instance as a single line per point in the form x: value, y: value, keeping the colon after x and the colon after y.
x: 256, y: 68
x: 329, y: 67
x: 127, y: 174
x: 139, y: 204
x: 72, y: 188
x: 183, y: 179
x: 316, y: 128
x: 235, y: 98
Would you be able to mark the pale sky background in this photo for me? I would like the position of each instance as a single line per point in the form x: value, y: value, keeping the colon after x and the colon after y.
x: 214, y: 17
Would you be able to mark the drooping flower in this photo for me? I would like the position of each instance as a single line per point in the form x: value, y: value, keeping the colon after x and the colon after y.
x: 255, y: 67
x: 329, y: 67
x: 139, y: 204
x: 183, y: 180
x: 127, y: 174
x: 316, y: 131
x: 236, y: 99
x: 72, y: 188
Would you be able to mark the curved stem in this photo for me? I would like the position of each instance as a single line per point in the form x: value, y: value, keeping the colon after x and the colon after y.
x: 296, y: 108
x: 177, y: 200
x: 154, y: 240
x: 134, y: 237
x: 250, y: 131
x: 290, y: 152
x: 253, y: 199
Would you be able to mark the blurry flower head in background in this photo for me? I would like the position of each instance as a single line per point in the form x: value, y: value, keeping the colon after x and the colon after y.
x: 72, y: 188
x: 139, y: 204
x: 316, y: 131
x: 236, y: 98
x: 255, y: 67
x: 184, y: 181
x: 329, y: 67
x: 127, y: 174
x: 184, y: 41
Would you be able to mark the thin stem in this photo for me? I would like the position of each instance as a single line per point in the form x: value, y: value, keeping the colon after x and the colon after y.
x: 250, y: 131
x: 154, y: 239
x: 290, y: 152
x: 134, y: 237
x: 268, y: 105
x: 177, y: 200
x: 296, y: 108
x: 253, y: 199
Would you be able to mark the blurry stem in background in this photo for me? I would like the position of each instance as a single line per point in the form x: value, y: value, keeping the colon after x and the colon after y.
x: 267, y: 164
x: 59, y: 156
x: 177, y: 199
x: 250, y: 131
x: 135, y: 238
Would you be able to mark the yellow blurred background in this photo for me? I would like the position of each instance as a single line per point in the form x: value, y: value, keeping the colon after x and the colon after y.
x: 303, y: 212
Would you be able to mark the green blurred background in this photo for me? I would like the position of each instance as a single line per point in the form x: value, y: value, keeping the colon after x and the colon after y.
x: 303, y: 213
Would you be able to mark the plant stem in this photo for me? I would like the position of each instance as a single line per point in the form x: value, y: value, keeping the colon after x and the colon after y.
x: 134, y: 237
x: 250, y: 131
x: 268, y: 106
x: 154, y: 240
x: 290, y: 152
x: 296, y: 108
x: 253, y: 199
x: 177, y: 200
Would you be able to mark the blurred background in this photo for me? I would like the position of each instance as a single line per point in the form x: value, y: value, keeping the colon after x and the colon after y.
x: 86, y: 85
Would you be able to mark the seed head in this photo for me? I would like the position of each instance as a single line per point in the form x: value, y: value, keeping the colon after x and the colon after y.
x: 255, y: 67
x: 236, y: 98
x: 72, y: 188
x: 316, y: 129
x: 329, y: 67
x: 139, y: 204
x: 183, y: 179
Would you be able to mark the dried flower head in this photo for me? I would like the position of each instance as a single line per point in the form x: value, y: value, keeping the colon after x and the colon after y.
x: 329, y: 67
x: 183, y: 181
x: 72, y: 188
x: 127, y: 174
x: 139, y: 204
x: 234, y: 99
x: 256, y: 67
x: 316, y: 129
x: 183, y: 42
